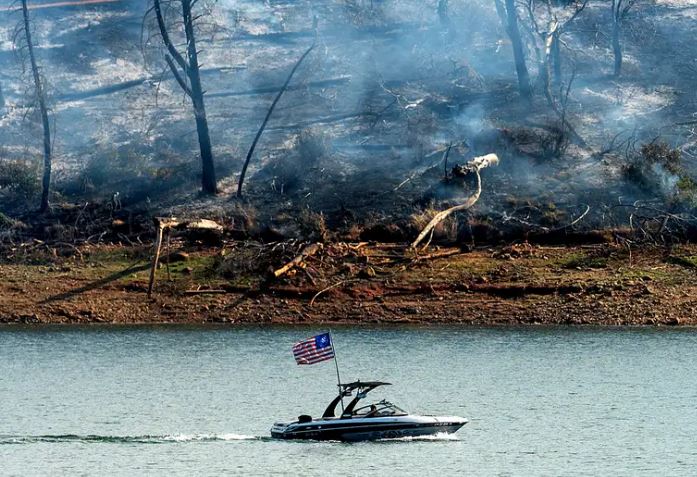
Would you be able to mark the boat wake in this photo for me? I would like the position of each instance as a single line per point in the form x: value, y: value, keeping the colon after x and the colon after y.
x: 177, y: 438
x: 144, y: 439
x: 441, y: 436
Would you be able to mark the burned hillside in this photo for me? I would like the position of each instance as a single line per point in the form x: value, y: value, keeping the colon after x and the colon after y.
x: 364, y: 141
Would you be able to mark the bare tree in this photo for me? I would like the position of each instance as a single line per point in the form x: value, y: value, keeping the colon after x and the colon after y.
x: 557, y: 16
x: 24, y: 32
x: 620, y: 9
x: 2, y: 102
x: 509, y: 18
x: 187, y: 73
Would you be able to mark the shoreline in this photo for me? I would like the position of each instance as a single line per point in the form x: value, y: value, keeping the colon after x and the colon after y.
x: 336, y: 325
x: 520, y: 285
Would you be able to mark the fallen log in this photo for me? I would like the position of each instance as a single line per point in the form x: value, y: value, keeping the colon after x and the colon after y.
x: 200, y: 224
x: 395, y: 29
x: 437, y: 255
x: 473, y: 167
x: 307, y: 251
x: 101, y: 91
x: 342, y: 80
x: 116, y: 87
x: 323, y: 120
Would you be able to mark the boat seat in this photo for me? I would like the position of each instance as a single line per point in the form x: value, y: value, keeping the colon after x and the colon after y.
x: 304, y: 418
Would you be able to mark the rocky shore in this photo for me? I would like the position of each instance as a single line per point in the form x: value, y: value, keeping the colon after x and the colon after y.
x: 355, y: 283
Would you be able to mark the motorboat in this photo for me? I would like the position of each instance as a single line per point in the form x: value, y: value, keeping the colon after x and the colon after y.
x: 378, y: 420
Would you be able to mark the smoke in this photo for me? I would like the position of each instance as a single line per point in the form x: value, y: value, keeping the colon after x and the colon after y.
x: 390, y: 83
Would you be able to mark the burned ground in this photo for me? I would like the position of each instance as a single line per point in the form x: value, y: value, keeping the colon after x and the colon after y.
x: 361, y: 147
x: 387, y: 90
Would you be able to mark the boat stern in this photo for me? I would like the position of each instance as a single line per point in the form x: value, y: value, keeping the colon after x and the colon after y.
x: 278, y: 430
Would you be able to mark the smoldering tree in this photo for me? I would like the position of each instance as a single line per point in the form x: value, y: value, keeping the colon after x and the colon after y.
x: 508, y: 13
x: 620, y: 10
x: 24, y: 45
x: 176, y: 24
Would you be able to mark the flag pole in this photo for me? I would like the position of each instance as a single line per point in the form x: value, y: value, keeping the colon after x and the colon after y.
x: 338, y: 377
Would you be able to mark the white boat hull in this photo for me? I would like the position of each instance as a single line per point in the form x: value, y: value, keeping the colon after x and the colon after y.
x: 373, y: 428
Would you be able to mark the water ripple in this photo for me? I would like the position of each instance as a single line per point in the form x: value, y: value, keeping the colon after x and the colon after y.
x: 176, y: 438
x: 144, y: 439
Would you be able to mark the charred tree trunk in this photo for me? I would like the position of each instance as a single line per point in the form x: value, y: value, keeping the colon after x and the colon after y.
x: 240, y: 183
x: 208, y: 182
x: 620, y: 10
x: 556, y: 60
x: 443, y: 15
x: 616, y: 45
x: 190, y: 71
x: 43, y: 110
x: 518, y: 53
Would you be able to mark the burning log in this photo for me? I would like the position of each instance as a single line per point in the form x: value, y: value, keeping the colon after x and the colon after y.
x: 472, y: 167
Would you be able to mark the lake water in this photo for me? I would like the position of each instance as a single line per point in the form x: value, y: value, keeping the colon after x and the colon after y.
x: 200, y: 401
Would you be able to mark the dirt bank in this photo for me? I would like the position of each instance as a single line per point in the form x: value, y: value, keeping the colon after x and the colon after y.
x: 354, y: 283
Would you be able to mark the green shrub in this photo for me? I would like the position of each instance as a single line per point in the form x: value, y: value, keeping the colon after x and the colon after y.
x: 686, y: 191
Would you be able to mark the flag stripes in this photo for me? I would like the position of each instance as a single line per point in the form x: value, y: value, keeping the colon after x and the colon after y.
x: 313, y: 350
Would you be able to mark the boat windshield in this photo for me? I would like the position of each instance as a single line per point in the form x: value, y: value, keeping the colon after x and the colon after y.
x: 380, y: 409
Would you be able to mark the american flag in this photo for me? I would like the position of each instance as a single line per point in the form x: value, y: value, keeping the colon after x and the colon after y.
x: 313, y: 350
